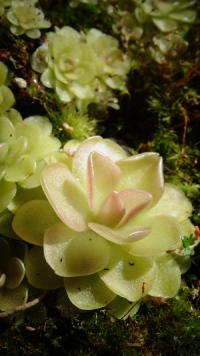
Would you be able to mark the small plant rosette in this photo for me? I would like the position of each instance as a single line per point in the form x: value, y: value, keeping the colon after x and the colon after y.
x: 109, y: 229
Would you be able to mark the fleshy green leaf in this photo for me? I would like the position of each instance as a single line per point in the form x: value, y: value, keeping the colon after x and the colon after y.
x: 73, y: 254
x: 38, y: 272
x: 33, y: 219
x: 88, y: 292
x: 7, y: 130
x: 102, y: 178
x: 3, y: 151
x: 143, y: 172
x: 21, y: 169
x: 10, y: 298
x: 173, y: 202
x: 165, y: 25
x: 112, y: 210
x: 65, y: 196
x: 15, y: 272
x: 134, y: 201
x: 7, y: 98
x: 7, y: 193
x: 121, y: 235
x: 16, y: 149
x: 167, y: 278
x: 94, y: 144
x: 128, y: 276
x: 24, y: 195
x: 164, y: 235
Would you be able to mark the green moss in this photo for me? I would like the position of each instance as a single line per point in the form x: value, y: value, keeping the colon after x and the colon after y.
x: 159, y: 328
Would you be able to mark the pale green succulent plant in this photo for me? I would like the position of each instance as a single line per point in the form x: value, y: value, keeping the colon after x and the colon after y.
x: 108, y: 227
x: 172, y: 18
x: 26, y: 19
x: 6, y: 96
x: 167, y: 16
x: 25, y: 147
x: 157, y: 26
x: 13, y: 290
x: 82, y: 68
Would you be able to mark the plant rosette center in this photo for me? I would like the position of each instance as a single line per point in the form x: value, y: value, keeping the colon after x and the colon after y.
x: 107, y: 227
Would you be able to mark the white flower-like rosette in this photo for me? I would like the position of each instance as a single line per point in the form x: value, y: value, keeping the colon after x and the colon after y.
x: 108, y: 226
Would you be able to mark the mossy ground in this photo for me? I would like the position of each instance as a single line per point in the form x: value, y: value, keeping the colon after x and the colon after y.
x: 162, y: 114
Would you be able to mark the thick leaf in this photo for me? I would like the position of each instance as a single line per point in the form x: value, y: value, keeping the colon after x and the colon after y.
x: 143, y: 172
x: 38, y: 272
x: 21, y: 169
x: 15, y: 272
x: 33, y: 180
x: 164, y: 235
x: 7, y: 130
x: 88, y: 292
x: 33, y: 219
x: 73, y: 254
x: 3, y: 151
x: 121, y: 235
x: 7, y: 193
x: 165, y: 25
x: 7, y: 98
x: 134, y: 201
x: 16, y: 149
x: 128, y: 276
x: 11, y: 298
x: 187, y: 16
x: 94, y: 144
x: 24, y: 195
x: 173, y: 202
x: 42, y: 122
x: 102, y: 178
x: 167, y: 278
x: 112, y: 210
x: 65, y: 196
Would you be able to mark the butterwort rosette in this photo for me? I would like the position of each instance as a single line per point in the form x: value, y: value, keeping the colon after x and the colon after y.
x: 109, y: 226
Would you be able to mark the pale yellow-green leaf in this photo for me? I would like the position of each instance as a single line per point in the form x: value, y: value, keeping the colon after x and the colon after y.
x: 15, y: 272
x: 94, y: 144
x: 38, y: 272
x: 88, y: 292
x: 11, y: 298
x: 65, y: 196
x: 7, y: 193
x: 167, y: 278
x: 164, y: 235
x: 121, y: 235
x: 173, y: 202
x: 24, y: 166
x: 128, y: 276
x: 102, y: 178
x: 73, y: 254
x: 32, y: 220
x: 144, y: 172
